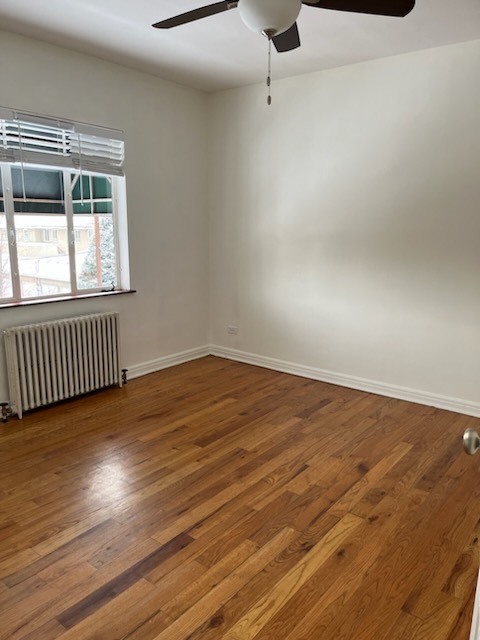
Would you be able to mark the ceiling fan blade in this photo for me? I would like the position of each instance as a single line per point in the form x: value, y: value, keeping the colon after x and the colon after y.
x: 196, y: 14
x: 287, y: 40
x: 397, y: 8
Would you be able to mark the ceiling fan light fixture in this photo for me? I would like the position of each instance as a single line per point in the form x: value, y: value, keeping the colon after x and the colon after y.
x: 270, y: 17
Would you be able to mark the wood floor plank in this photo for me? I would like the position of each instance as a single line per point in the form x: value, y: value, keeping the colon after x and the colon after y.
x: 15, y: 562
x: 258, y: 616
x: 105, y: 624
x: 322, y: 599
x: 461, y: 578
x: 405, y: 627
x: 78, y: 593
x: 178, y: 605
x: 220, y: 501
x: 398, y: 568
x: 72, y: 551
x: 225, y: 589
x: 23, y: 601
x: 349, y: 500
x: 463, y: 623
x: 238, y: 606
x: 48, y: 631
x: 227, y: 525
x: 121, y: 583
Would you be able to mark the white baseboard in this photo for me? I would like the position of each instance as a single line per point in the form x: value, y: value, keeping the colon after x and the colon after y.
x: 475, y: 629
x: 353, y: 382
x: 362, y: 384
x: 142, y: 369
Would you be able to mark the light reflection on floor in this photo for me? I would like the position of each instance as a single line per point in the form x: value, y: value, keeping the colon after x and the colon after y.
x: 109, y: 482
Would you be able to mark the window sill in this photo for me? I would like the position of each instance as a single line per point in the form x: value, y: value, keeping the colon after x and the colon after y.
x: 82, y: 296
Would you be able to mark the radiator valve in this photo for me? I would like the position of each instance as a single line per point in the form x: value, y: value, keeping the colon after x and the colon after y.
x: 5, y: 411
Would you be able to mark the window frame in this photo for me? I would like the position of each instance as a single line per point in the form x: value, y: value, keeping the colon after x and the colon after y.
x: 30, y: 139
x: 12, y: 234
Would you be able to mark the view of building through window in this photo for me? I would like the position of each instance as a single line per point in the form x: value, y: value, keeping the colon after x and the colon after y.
x: 57, y: 232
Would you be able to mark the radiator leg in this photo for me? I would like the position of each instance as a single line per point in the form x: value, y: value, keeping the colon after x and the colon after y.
x: 5, y: 411
x: 124, y: 376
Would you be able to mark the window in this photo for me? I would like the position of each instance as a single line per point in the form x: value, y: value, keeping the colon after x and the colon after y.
x: 50, y: 235
x: 62, y: 209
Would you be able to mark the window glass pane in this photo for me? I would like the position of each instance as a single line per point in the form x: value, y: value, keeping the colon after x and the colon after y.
x: 104, y: 206
x: 95, y: 252
x: 5, y: 274
x: 43, y: 191
x: 43, y: 261
x: 102, y: 187
x: 78, y: 182
x: 97, y: 194
x: 78, y: 207
x: 41, y: 231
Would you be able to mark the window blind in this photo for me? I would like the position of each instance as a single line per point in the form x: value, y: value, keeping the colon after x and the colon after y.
x: 31, y: 139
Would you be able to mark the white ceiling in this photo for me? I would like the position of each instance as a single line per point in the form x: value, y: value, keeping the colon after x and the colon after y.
x: 219, y: 52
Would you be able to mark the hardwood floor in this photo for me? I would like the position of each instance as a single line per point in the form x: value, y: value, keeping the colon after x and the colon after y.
x: 220, y: 500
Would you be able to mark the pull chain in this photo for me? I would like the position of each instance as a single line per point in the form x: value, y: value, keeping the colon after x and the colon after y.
x: 269, y: 72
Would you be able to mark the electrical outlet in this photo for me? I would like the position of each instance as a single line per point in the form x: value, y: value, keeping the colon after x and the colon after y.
x: 233, y: 329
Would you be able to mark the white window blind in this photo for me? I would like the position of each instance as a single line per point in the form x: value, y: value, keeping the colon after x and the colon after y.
x: 31, y: 139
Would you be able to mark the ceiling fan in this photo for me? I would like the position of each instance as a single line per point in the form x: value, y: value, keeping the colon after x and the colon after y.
x: 276, y: 19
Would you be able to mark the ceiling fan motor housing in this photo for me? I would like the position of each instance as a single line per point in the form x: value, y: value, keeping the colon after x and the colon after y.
x: 269, y: 16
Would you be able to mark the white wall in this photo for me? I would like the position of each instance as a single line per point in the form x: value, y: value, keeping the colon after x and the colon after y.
x: 165, y: 130
x: 345, y: 224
